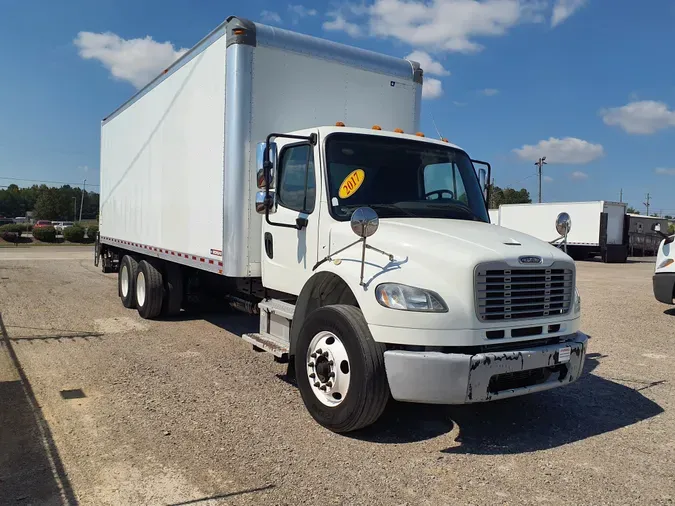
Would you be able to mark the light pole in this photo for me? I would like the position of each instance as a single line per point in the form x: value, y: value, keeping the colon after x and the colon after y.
x: 84, y: 185
x: 540, y: 163
x: 74, y: 208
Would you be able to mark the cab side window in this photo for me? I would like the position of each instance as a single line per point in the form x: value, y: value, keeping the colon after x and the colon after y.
x: 297, y: 185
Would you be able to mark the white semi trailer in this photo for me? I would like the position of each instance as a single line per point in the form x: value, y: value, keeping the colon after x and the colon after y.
x: 600, y: 227
x: 222, y: 177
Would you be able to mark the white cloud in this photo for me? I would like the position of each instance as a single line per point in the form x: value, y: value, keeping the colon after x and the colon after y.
x: 578, y: 175
x: 432, y: 88
x: 489, y: 92
x: 340, y: 24
x: 547, y: 179
x: 300, y: 11
x: 563, y: 9
x: 569, y: 150
x: 450, y: 25
x: 665, y: 172
x: 644, y: 117
x: 270, y: 17
x: 428, y: 64
x: 137, y: 61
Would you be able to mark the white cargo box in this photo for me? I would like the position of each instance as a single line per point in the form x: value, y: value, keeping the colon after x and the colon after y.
x: 538, y: 220
x: 178, y: 159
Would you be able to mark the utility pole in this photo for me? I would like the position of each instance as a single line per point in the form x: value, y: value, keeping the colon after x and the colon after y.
x: 84, y: 185
x: 621, y: 195
x: 74, y: 208
x: 647, y: 204
x: 540, y: 163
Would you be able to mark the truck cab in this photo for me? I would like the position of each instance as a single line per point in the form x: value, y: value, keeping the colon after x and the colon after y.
x: 444, y: 307
x: 664, y: 271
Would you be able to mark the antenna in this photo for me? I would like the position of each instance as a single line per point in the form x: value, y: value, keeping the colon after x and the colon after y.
x: 437, y: 130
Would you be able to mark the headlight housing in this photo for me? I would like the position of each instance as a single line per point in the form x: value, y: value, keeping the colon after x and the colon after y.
x: 577, y: 301
x: 409, y: 298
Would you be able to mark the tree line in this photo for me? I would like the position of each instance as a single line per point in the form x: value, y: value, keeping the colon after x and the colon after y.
x: 48, y: 203
x: 499, y: 196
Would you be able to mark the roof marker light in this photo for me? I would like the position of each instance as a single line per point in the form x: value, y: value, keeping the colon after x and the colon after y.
x: 419, y: 134
x: 339, y: 124
x: 398, y: 130
x: 377, y: 127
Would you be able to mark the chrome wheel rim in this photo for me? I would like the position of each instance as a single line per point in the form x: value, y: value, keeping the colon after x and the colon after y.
x: 328, y: 368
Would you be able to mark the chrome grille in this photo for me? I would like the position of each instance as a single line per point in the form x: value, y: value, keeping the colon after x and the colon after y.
x: 516, y: 294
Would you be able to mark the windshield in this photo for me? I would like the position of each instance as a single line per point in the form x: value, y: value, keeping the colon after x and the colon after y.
x: 401, y: 178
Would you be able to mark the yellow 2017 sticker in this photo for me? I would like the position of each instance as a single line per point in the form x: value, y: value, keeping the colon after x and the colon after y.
x: 352, y: 182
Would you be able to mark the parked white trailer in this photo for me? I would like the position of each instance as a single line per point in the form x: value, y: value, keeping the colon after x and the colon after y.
x: 221, y: 178
x: 600, y: 227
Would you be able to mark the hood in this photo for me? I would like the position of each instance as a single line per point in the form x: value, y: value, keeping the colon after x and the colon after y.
x: 463, y: 242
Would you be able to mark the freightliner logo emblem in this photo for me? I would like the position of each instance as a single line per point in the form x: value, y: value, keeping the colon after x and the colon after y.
x: 530, y: 260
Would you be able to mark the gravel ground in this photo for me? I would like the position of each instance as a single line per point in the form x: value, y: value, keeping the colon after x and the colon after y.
x: 183, y: 412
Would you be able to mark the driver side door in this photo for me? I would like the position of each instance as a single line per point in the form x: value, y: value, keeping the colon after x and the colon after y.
x: 288, y: 253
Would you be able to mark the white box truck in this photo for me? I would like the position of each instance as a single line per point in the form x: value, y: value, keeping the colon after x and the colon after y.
x: 233, y: 174
x: 600, y: 227
x: 663, y: 281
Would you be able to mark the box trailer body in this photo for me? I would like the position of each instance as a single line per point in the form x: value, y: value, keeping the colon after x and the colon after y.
x: 178, y: 159
x: 244, y: 171
x: 600, y: 227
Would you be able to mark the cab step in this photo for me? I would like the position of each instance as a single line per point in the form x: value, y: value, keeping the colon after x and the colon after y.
x: 275, y: 328
x: 267, y: 342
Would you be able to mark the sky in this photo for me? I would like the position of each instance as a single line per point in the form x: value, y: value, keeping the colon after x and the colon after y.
x: 582, y: 82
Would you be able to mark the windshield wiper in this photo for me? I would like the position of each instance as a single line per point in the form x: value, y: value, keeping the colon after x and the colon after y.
x: 375, y: 207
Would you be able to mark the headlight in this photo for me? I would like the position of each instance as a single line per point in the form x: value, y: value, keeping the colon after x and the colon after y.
x: 577, y: 301
x: 409, y: 298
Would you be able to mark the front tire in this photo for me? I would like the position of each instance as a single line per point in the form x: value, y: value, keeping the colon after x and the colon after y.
x: 149, y: 290
x: 340, y: 369
x: 125, y: 281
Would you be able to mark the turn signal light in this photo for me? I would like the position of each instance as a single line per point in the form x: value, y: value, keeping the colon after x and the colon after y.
x: 339, y: 124
x: 377, y: 127
x: 239, y: 31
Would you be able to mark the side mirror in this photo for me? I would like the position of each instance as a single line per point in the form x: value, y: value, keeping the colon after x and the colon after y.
x: 364, y: 222
x: 263, y: 203
x: 482, y: 180
x: 563, y: 224
x: 262, y: 177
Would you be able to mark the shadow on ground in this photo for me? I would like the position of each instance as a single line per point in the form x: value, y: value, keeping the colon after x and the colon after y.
x: 670, y: 312
x: 589, y: 407
x: 31, y: 471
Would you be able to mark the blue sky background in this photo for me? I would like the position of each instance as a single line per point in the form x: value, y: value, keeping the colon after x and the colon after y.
x: 590, y: 74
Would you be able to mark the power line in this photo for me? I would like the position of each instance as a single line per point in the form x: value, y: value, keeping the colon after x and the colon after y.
x: 40, y: 181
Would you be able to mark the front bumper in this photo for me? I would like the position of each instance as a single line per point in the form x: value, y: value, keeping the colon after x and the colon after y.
x: 664, y: 287
x: 451, y: 378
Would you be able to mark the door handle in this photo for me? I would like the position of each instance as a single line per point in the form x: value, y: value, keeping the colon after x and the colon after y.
x: 269, y: 245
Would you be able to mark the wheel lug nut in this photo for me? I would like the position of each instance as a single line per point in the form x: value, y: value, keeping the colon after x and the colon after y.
x: 325, y: 354
x: 317, y: 384
x: 312, y: 376
x: 329, y: 384
x: 331, y: 375
x: 330, y: 362
x: 323, y: 387
x: 311, y: 364
x: 313, y: 355
x: 318, y: 352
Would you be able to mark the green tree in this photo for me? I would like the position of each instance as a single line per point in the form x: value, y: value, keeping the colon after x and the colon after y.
x: 47, y: 205
x: 508, y: 196
x: 632, y: 210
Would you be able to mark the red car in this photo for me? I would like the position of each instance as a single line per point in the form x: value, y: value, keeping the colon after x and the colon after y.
x: 42, y: 223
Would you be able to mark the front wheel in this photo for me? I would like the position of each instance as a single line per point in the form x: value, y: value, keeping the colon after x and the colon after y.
x: 340, y: 369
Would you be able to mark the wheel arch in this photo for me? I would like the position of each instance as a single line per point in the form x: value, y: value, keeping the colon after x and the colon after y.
x: 322, y: 289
